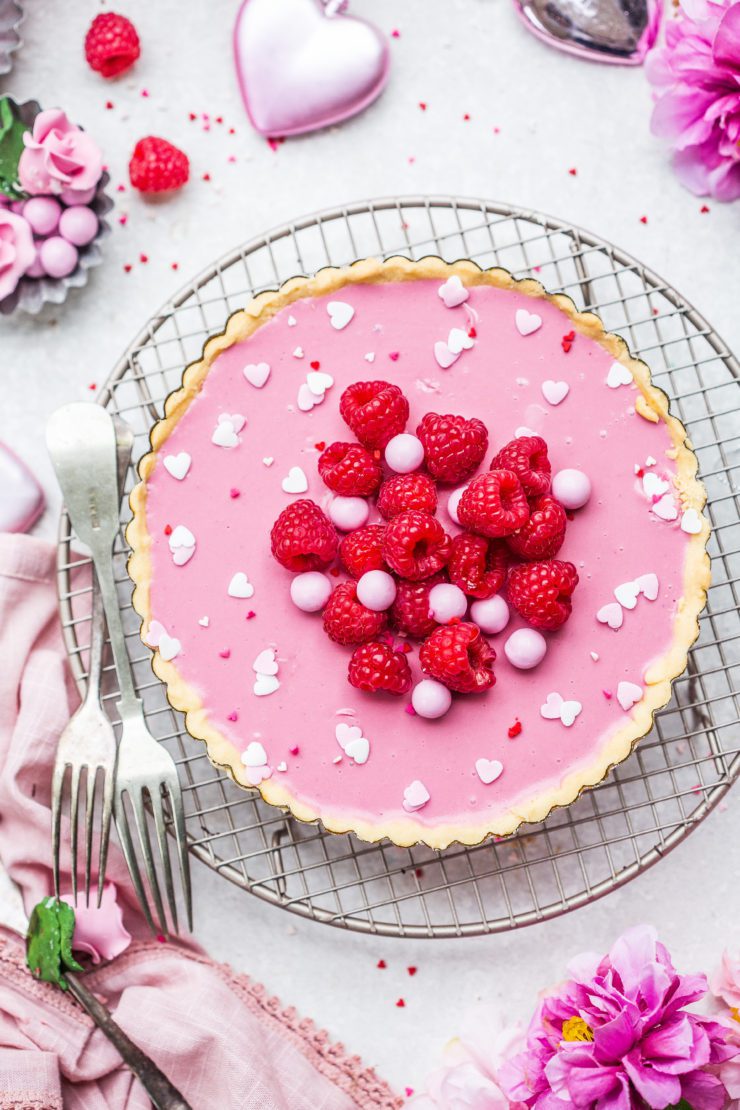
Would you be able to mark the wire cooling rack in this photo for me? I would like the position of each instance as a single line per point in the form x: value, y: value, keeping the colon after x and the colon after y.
x: 677, y: 774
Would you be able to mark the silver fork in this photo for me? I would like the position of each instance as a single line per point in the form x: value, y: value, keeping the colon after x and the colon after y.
x: 88, y: 743
x: 82, y: 444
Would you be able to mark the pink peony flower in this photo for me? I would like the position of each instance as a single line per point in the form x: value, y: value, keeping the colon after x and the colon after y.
x: 725, y: 985
x: 99, y: 931
x: 696, y: 76
x: 468, y: 1081
x: 58, y: 157
x: 17, y: 250
x: 618, y: 1035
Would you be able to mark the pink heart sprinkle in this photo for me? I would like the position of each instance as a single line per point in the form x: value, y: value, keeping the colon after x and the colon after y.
x: 225, y: 653
x: 234, y: 493
x: 250, y: 614
x: 607, y: 694
x: 294, y: 750
x: 393, y: 356
x: 410, y: 710
x: 233, y: 717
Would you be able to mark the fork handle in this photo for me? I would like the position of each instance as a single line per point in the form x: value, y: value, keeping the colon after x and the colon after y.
x: 129, y: 704
x: 163, y: 1094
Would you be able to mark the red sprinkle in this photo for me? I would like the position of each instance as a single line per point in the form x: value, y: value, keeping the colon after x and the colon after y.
x: 422, y: 105
x: 643, y: 219
x: 109, y: 104
x: 120, y: 188
x: 607, y: 694
x: 225, y: 654
x: 174, y: 265
x: 315, y: 364
x: 400, y: 1003
x: 123, y: 220
x: 408, y: 1091
x: 514, y: 730
x: 127, y: 267
x: 143, y: 258
x: 573, y: 171
x: 466, y: 116
x: 93, y: 385
x: 294, y: 751
x: 233, y: 716
x: 567, y: 341
x: 161, y: 939
x: 320, y: 445
x: 704, y: 209
x: 234, y: 493
x: 418, y: 871
x: 410, y: 710
x: 192, y: 116
x: 334, y: 572
x: 168, y: 529
x: 395, y: 34
x: 206, y: 177
x: 394, y: 356
x: 411, y: 970
x: 219, y: 119
x: 381, y: 964
x: 232, y: 131
x: 250, y: 615
x: 472, y: 333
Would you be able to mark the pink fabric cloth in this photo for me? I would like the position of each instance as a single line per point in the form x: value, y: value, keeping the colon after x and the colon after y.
x: 219, y: 1037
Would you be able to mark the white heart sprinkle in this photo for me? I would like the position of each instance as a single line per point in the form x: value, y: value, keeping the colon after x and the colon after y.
x: 458, y: 341
x: 282, y: 766
x: 225, y: 435
x: 298, y: 352
x: 628, y: 693
x: 626, y: 594
x: 318, y: 382
x: 254, y: 755
x: 169, y: 646
x: 556, y: 709
x: 340, y: 314
x: 178, y: 465
x: 611, y: 615
x: 266, y: 663
x: 308, y: 400
x: 292, y: 321
x: 358, y: 750
x: 444, y: 355
x: 236, y: 420
x: 653, y: 486
x: 594, y: 655
x: 257, y: 373
x: 370, y: 356
x: 527, y: 322
x: 489, y: 770
x: 337, y: 759
x: 346, y: 733
x: 453, y: 292
x: 204, y: 621
x: 648, y: 586
x: 268, y: 460
x: 255, y: 775
x: 265, y: 684
x: 295, y: 481
x: 555, y: 392
x: 618, y: 375
x: 650, y: 461
x: 691, y: 522
x: 182, y: 555
x: 154, y: 634
x: 666, y: 508
x: 240, y: 586
x: 415, y: 795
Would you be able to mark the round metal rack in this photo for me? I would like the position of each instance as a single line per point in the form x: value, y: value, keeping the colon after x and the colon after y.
x: 677, y: 774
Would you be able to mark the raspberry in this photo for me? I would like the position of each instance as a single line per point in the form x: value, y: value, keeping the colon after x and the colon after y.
x: 409, y: 613
x: 376, y: 666
x: 157, y: 166
x: 478, y: 565
x: 494, y: 504
x: 350, y: 470
x: 303, y: 538
x: 407, y: 491
x: 459, y: 656
x: 453, y: 446
x: 375, y: 411
x: 415, y: 545
x: 362, y: 550
x: 347, y: 621
x: 543, y: 534
x: 541, y: 592
x: 111, y: 44
x: 527, y: 457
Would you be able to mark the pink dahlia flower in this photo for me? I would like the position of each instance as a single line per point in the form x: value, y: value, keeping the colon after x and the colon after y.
x: 696, y: 76
x: 59, y: 158
x: 17, y: 250
x: 725, y: 986
x: 618, y: 1035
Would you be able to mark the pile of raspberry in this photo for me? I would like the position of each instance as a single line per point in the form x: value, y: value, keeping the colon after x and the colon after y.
x: 512, y: 529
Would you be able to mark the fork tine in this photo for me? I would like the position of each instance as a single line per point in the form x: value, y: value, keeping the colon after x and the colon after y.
x: 74, y: 801
x: 158, y: 811
x: 108, y: 787
x: 137, y: 803
x: 92, y: 775
x: 178, y: 816
x: 57, y: 786
x: 124, y: 835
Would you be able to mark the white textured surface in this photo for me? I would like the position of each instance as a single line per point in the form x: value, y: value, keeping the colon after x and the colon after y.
x: 458, y: 56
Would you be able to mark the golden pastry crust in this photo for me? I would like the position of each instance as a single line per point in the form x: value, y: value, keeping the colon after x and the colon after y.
x: 652, y: 404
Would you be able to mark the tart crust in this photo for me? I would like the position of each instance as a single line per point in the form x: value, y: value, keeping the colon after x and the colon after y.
x: 652, y: 404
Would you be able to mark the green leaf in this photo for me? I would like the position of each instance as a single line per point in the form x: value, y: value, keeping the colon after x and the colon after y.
x: 682, y: 1105
x: 12, y: 130
x: 49, y: 942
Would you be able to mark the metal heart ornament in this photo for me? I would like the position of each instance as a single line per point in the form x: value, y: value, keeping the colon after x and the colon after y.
x: 617, y: 31
x: 303, y: 64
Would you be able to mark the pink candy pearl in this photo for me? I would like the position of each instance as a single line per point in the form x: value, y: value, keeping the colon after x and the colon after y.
x: 447, y: 602
x: 491, y: 615
x: 430, y: 699
x: 310, y: 591
x: 348, y: 513
x: 404, y: 453
x: 525, y: 648
x: 42, y: 213
x: 572, y: 488
x: 453, y: 501
x: 78, y: 196
x: 78, y: 225
x: 57, y: 256
x: 36, y: 269
x: 376, y: 590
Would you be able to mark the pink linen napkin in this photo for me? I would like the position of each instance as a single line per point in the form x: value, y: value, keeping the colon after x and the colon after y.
x: 221, y: 1039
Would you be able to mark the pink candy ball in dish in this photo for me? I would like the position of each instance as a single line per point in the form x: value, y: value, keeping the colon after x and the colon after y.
x: 36, y: 269
x: 57, y: 256
x: 42, y: 213
x: 78, y: 196
x: 78, y: 225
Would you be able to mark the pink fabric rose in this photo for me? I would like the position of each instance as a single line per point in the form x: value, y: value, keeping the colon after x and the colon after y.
x: 696, y: 76
x: 58, y: 157
x: 725, y: 986
x: 17, y: 251
x: 99, y: 931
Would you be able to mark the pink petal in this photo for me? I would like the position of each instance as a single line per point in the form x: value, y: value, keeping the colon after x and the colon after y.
x: 726, y: 49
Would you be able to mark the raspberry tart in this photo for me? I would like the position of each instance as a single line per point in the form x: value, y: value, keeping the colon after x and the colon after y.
x: 419, y: 549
